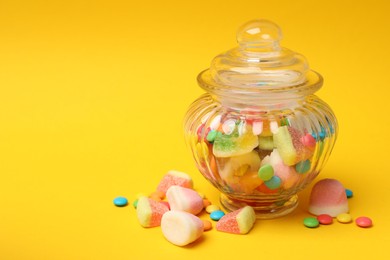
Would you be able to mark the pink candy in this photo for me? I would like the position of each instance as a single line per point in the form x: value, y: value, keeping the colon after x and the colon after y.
x: 184, y: 199
x: 328, y: 197
x: 363, y: 222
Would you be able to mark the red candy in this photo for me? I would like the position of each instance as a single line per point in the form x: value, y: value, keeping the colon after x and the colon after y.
x: 325, y: 219
x: 363, y: 222
x: 308, y: 140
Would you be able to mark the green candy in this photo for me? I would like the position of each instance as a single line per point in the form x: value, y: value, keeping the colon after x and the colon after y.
x: 266, y: 172
x: 211, y: 136
x: 311, y: 222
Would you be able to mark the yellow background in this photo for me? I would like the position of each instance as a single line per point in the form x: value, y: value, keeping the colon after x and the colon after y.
x: 92, y: 97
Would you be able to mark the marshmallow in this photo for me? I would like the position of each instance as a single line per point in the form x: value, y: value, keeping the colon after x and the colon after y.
x: 150, y: 212
x: 181, y: 228
x: 328, y: 197
x: 239, y: 221
x: 184, y: 199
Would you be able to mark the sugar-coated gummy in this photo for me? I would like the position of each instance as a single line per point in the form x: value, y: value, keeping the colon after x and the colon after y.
x: 120, y: 201
x: 239, y: 221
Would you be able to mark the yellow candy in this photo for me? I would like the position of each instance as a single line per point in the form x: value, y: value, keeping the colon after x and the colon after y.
x: 212, y: 208
x: 344, y: 218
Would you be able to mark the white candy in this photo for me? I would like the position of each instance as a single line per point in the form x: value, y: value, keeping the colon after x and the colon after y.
x: 181, y: 228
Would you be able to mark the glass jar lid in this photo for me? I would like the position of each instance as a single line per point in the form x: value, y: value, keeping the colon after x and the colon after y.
x: 260, y: 67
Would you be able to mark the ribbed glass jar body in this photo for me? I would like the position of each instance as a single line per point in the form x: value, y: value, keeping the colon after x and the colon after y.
x: 260, y: 154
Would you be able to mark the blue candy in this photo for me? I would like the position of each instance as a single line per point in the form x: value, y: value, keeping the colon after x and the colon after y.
x: 120, y: 201
x: 273, y: 183
x: 303, y: 167
x: 349, y: 193
x: 217, y: 215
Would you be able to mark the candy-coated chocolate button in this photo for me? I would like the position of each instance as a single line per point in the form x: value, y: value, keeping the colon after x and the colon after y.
x: 211, y: 208
x: 303, y: 167
x: 273, y: 183
x: 266, y: 172
x: 207, y: 225
x: 135, y: 203
x: 217, y: 215
x: 349, y: 193
x: 344, y: 218
x: 120, y: 201
x: 325, y: 219
x: 363, y: 222
x: 311, y: 222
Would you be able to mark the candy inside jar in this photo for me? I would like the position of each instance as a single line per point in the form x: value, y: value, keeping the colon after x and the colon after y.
x: 259, y: 134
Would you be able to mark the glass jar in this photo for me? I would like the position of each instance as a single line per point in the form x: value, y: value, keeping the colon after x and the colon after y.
x: 259, y: 134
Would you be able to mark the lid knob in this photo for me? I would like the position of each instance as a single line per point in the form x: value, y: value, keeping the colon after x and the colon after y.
x: 262, y: 34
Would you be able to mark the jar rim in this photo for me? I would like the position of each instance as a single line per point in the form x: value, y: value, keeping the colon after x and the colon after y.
x: 313, y: 82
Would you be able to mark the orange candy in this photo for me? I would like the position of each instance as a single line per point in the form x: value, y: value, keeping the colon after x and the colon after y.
x: 207, y: 225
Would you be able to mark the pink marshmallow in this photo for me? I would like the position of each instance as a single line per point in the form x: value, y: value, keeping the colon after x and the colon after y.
x: 328, y: 197
x: 184, y: 199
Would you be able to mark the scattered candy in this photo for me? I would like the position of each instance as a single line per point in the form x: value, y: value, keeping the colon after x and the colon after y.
x: 135, y: 203
x: 217, y: 215
x: 207, y: 225
x: 328, y: 197
x: 349, y: 193
x: 325, y: 219
x: 120, y: 201
x: 175, y: 178
x: 150, y: 212
x: 165, y: 203
x: 311, y: 222
x: 364, y: 222
x: 344, y: 218
x: 201, y: 195
x: 239, y: 221
x: 212, y: 208
x: 157, y: 195
x: 181, y: 228
x: 184, y: 199
x: 206, y: 203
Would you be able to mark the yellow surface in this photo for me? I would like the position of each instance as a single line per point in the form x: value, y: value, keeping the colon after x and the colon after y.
x: 92, y: 96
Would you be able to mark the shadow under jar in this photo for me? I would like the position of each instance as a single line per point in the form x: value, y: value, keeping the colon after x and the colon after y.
x: 259, y: 134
